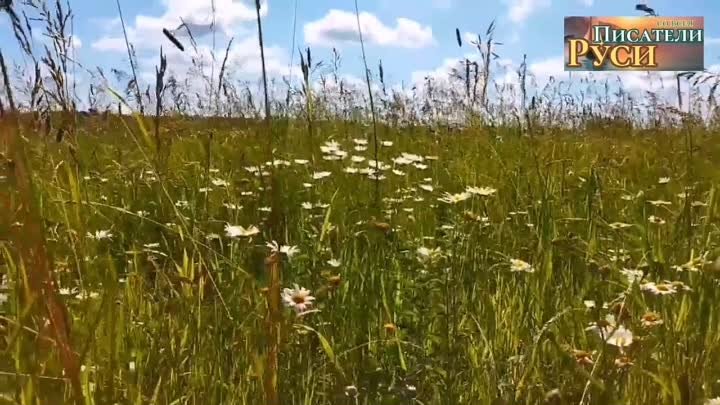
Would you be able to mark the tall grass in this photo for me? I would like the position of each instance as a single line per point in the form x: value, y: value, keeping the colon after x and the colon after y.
x: 546, y: 248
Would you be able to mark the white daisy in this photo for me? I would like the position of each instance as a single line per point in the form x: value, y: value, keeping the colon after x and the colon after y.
x: 297, y: 298
x: 517, y: 265
x: 100, y: 235
x: 321, y: 175
x: 481, y: 191
x: 235, y: 231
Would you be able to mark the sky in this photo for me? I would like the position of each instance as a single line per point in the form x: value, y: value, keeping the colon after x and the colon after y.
x: 413, y: 38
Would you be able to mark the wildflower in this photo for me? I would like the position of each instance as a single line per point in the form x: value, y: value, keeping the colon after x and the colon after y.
x: 713, y: 401
x: 360, y: 148
x: 387, y: 143
x: 583, y: 357
x: 321, y: 175
x: 204, y: 189
x: 427, y: 187
x: 289, y: 251
x: 623, y: 362
x: 330, y: 147
x: 411, y: 391
x: 589, y: 304
x: 619, y: 225
x: 454, y: 198
x: 658, y: 289
x: 360, y: 141
x: 100, y: 235
x: 351, y: 170
x: 351, y: 391
x: 301, y: 161
x: 420, y: 166
x: 234, y: 231
x: 231, y: 206
x: 651, y: 319
x: 664, y: 180
x: 517, y: 265
x: 658, y: 203
x: 614, y: 335
x: 219, y: 183
x: 390, y: 328
x: 398, y: 172
x: 481, y: 191
x: 181, y: 204
x: 334, y: 263
x: 426, y: 255
x: 632, y: 276
x: 307, y: 205
x: 83, y: 295
x: 357, y: 159
x: 297, y: 298
x: 335, y: 281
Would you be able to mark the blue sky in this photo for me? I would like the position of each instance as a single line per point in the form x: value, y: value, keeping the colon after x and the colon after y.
x: 412, y: 37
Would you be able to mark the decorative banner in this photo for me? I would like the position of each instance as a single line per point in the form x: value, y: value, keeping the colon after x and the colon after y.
x: 634, y: 43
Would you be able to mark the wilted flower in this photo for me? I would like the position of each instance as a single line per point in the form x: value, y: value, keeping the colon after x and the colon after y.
x: 297, y: 298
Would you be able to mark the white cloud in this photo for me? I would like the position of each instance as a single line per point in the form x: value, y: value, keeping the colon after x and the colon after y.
x: 587, y: 3
x: 520, y: 10
x: 76, y: 42
x: 339, y: 26
x: 146, y: 32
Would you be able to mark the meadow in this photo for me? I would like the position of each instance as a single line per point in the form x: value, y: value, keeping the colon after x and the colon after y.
x: 316, y: 257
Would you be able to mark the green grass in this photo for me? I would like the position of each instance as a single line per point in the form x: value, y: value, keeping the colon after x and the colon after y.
x: 173, y: 310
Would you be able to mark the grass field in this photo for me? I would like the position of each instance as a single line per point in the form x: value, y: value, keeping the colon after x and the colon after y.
x: 355, y: 247
x: 420, y: 298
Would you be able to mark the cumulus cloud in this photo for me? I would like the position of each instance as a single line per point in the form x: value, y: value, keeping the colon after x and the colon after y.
x: 339, y: 26
x: 146, y: 32
x: 520, y: 10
